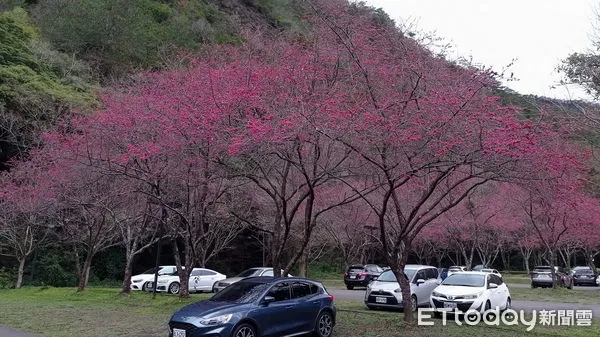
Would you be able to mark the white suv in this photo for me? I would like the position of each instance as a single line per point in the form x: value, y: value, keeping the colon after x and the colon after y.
x: 385, y: 291
x: 143, y: 280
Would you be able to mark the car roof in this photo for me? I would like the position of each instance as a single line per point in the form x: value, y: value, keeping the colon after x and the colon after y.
x: 417, y: 266
x: 271, y: 279
x: 472, y: 272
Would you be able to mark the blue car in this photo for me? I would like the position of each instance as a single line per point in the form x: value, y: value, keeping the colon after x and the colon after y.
x: 259, y: 307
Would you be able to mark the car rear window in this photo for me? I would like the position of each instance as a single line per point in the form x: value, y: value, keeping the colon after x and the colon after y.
x: 356, y: 268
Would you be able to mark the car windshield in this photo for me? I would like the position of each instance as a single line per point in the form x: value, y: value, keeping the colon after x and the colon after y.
x: 248, y: 272
x: 465, y: 280
x: 241, y: 292
x: 153, y: 270
x: 388, y: 275
x: 542, y: 270
x: 150, y: 271
x: 584, y: 271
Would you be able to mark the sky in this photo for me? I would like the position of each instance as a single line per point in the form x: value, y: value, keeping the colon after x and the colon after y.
x: 537, y: 34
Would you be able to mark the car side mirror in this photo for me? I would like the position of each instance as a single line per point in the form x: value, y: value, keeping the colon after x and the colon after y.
x: 268, y: 299
x: 438, y: 282
x: 492, y: 286
x: 420, y: 281
x: 374, y: 278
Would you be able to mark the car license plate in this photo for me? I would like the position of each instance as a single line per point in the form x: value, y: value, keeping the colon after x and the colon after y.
x: 380, y: 299
x: 354, y: 276
x: 178, y: 333
x: 450, y: 305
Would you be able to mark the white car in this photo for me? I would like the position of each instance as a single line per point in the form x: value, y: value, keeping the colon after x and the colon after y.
x: 493, y: 271
x: 471, y: 291
x: 201, y: 279
x: 598, y: 280
x: 384, y: 292
x: 252, y: 272
x: 456, y: 269
x: 141, y: 281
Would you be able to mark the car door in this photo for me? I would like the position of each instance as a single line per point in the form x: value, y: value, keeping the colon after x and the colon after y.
x: 278, y: 317
x: 431, y: 282
x: 501, y: 291
x: 194, y: 280
x: 420, y: 290
x: 493, y: 293
x: 206, y: 279
x: 306, y: 306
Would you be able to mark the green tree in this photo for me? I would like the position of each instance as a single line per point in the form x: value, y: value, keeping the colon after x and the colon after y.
x: 36, y: 87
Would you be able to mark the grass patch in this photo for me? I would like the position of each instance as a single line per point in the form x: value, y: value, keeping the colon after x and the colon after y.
x: 101, y: 312
x: 516, y: 279
x: 555, y: 295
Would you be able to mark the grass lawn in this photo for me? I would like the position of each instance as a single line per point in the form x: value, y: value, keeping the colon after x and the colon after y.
x: 520, y: 279
x: 100, y: 312
x: 556, y: 295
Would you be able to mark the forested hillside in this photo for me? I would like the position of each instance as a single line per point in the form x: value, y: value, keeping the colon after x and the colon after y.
x: 56, y: 56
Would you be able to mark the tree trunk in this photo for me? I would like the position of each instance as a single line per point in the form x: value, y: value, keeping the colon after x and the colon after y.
x: 526, y: 254
x: 505, y: 256
x: 184, y: 283
x: 85, y: 272
x: 20, y: 272
x: 552, y: 260
x: 303, y: 264
x: 126, y: 287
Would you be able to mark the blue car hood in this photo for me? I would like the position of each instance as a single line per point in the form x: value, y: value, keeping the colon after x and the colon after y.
x: 191, y: 313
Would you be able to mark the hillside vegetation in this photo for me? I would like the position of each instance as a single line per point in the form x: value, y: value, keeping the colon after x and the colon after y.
x: 55, y: 56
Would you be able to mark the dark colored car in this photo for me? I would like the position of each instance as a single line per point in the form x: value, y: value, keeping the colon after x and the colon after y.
x: 361, y: 275
x: 541, y: 276
x: 259, y: 306
x: 584, y: 275
x: 442, y: 273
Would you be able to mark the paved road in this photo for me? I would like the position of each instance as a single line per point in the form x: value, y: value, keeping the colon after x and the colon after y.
x: 359, y: 295
x: 7, y: 332
x: 521, y: 285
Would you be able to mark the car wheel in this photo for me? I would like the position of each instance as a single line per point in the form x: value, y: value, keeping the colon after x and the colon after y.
x: 244, y: 330
x: 324, y: 326
x: 508, y: 304
x: 575, y: 284
x: 174, y: 288
x: 214, y: 287
x: 533, y: 286
x: 349, y: 287
x: 487, y: 306
x: 413, y: 303
x: 145, y: 286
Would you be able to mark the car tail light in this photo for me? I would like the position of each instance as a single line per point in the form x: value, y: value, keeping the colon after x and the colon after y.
x: 345, y: 274
x: 363, y: 274
x: 331, y: 297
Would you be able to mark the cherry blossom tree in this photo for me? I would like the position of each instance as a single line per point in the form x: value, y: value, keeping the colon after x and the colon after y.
x: 24, y: 201
x: 427, y: 132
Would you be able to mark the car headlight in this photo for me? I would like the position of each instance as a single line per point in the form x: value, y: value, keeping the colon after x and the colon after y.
x: 473, y: 296
x: 136, y: 281
x: 436, y: 294
x: 218, y: 320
